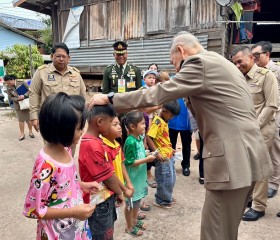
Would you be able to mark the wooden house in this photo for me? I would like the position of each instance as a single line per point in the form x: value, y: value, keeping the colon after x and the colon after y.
x: 147, y: 25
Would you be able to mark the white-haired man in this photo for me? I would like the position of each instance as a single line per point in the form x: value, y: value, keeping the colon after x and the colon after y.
x: 233, y: 145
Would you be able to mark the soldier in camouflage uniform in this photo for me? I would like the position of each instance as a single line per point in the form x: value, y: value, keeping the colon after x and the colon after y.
x: 121, y: 76
x: 261, y: 52
x: 264, y: 90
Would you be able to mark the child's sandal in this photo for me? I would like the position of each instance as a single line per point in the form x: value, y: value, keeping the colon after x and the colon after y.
x: 136, y: 232
x: 140, y: 224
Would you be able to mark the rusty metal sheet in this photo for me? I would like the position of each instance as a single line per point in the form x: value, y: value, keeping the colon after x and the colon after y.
x: 140, y: 52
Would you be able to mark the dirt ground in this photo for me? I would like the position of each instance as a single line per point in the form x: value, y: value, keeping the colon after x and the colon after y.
x: 180, y: 223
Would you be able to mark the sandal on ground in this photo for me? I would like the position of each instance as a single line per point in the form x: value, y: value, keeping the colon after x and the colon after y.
x: 173, y: 201
x: 165, y: 206
x: 22, y: 138
x: 31, y: 135
x: 140, y: 224
x: 145, y: 207
x: 152, y: 183
x: 141, y: 215
x: 136, y: 232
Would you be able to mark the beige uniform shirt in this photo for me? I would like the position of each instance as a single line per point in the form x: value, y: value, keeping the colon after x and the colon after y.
x: 47, y: 80
x: 275, y: 68
x: 264, y: 91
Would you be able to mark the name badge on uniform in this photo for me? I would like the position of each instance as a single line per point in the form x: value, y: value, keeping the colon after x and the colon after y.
x: 131, y: 84
x: 51, y: 77
x: 121, y: 85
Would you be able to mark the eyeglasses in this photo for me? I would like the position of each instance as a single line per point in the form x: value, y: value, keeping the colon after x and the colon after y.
x: 258, y: 54
x: 60, y: 56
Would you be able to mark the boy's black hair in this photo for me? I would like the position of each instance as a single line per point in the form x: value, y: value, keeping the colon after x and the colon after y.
x: 107, y: 110
x: 60, y: 45
x: 9, y: 77
x: 172, y: 107
x: 133, y: 117
x: 59, y: 116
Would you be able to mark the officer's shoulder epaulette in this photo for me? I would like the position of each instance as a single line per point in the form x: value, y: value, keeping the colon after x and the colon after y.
x: 75, y: 69
x: 132, y: 65
x: 263, y: 70
x: 157, y: 121
x: 42, y: 67
x: 110, y: 65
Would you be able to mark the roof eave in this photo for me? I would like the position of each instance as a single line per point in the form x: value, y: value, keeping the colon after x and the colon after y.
x: 20, y: 32
x: 34, y: 7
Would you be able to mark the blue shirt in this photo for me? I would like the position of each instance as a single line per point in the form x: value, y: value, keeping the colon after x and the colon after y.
x: 182, y: 121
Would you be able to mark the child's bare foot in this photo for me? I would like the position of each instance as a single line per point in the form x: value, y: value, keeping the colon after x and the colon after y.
x: 141, y: 215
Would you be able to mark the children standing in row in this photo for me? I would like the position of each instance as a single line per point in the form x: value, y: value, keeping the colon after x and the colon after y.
x: 135, y: 161
x: 158, y: 138
x: 94, y: 165
x: 55, y: 196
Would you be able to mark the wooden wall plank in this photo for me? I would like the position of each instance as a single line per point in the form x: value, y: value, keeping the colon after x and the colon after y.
x: 156, y: 16
x: 98, y: 21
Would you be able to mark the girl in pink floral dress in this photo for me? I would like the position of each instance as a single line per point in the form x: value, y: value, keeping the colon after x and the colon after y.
x: 55, y: 197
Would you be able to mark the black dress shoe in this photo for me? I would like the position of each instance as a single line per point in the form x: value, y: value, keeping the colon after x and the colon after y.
x: 278, y: 214
x: 186, y: 172
x: 271, y: 193
x: 196, y: 156
x: 201, y: 180
x: 252, y: 215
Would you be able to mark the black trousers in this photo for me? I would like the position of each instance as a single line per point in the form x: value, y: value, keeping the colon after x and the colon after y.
x: 186, y: 138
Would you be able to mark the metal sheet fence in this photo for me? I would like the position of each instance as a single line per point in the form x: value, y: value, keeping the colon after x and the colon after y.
x: 140, y: 52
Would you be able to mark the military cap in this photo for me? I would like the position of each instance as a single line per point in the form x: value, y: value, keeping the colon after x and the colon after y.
x: 120, y: 47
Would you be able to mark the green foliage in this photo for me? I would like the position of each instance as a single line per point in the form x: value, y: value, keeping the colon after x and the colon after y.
x: 46, y: 35
x: 19, y: 61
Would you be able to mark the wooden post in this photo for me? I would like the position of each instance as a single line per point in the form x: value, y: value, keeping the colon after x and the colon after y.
x: 30, y: 58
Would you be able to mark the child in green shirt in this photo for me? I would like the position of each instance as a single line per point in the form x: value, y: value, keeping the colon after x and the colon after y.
x: 135, y: 161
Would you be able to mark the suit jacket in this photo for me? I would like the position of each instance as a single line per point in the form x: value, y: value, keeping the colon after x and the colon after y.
x: 234, y: 151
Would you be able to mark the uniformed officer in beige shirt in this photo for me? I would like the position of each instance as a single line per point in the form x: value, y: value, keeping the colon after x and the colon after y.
x: 264, y: 91
x: 53, y: 78
x: 234, y: 153
x: 261, y: 52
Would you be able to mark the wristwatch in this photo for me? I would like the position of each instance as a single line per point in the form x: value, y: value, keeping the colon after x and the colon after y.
x: 110, y: 97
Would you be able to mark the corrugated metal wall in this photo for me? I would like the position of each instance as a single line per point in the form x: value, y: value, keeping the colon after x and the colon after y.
x: 140, y: 53
x: 205, y: 13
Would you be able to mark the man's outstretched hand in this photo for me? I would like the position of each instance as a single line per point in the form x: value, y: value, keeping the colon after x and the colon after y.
x: 98, y: 99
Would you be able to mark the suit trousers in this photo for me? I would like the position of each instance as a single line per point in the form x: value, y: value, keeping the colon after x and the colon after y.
x: 274, y: 179
x: 186, y: 138
x: 222, y: 213
x: 261, y: 187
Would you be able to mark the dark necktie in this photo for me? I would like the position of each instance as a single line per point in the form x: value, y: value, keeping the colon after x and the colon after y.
x: 121, y: 68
